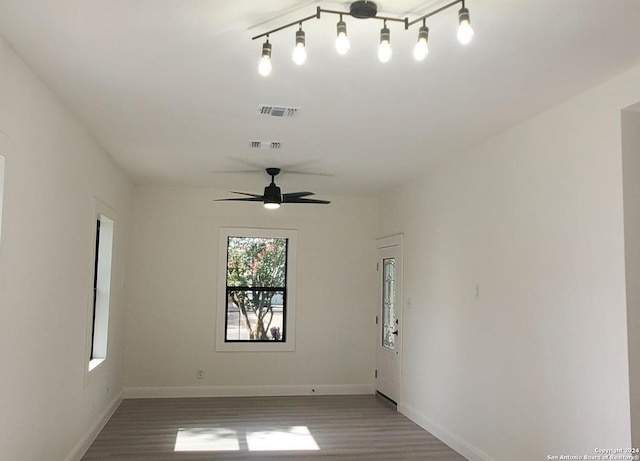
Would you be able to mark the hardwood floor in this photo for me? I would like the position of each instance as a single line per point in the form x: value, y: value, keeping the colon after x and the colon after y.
x: 336, y: 428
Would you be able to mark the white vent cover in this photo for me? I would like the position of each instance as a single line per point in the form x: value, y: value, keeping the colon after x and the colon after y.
x: 278, y: 111
x: 266, y: 145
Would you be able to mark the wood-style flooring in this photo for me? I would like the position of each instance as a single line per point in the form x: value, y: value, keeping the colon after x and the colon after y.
x: 336, y: 428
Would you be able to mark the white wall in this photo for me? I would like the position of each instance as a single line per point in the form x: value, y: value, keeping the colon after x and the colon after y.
x: 537, y: 365
x: 53, y: 171
x: 173, y: 297
x: 631, y: 174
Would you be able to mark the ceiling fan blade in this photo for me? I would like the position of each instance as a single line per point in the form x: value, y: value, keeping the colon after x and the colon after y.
x: 236, y: 171
x: 307, y: 167
x: 308, y: 173
x: 248, y: 194
x: 243, y: 199
x: 307, y: 200
x: 293, y: 195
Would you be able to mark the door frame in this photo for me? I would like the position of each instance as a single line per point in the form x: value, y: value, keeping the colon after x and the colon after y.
x: 396, y: 240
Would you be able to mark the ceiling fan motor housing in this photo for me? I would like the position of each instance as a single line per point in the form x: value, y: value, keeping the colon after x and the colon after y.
x: 272, y: 194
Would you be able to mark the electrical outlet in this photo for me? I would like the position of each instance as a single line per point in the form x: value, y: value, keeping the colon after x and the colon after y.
x: 200, y: 374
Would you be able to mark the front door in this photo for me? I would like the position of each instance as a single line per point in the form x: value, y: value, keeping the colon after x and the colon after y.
x: 389, y: 317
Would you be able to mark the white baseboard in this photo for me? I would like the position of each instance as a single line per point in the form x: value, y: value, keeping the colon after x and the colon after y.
x: 245, y: 391
x: 83, y: 445
x: 461, y: 446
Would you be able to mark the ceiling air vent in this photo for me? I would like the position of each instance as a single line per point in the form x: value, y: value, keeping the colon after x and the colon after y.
x: 278, y: 111
x: 266, y: 145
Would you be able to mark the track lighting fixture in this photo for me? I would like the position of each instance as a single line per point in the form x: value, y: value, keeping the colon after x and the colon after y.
x: 364, y: 9
x: 342, y: 40
x: 421, y: 50
x: 465, y: 32
x: 264, y: 68
x: 299, y: 51
x: 384, y: 49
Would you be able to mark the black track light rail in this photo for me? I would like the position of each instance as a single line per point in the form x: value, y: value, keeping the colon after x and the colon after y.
x: 286, y: 26
x: 321, y: 10
x: 348, y: 13
x: 432, y: 13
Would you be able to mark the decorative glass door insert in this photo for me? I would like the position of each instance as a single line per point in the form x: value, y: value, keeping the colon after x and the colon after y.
x: 388, y: 303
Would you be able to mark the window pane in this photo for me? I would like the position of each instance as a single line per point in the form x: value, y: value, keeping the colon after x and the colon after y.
x: 256, y: 262
x: 255, y: 315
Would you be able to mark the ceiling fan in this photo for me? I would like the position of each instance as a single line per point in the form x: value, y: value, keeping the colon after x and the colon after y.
x: 273, y: 197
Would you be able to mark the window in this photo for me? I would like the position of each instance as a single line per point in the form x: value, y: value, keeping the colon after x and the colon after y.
x: 256, y: 290
x: 99, y: 314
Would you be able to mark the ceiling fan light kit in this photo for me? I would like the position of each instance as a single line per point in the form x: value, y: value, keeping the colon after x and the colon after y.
x: 363, y: 9
x: 273, y: 197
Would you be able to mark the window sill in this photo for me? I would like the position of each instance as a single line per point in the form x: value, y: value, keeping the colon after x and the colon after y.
x: 257, y: 346
x: 93, y: 363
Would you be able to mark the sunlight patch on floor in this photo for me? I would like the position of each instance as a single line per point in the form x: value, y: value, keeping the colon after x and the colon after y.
x: 293, y: 438
x: 206, y: 439
x: 296, y: 438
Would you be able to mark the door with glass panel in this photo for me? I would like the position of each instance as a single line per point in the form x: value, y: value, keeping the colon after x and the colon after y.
x: 389, y: 318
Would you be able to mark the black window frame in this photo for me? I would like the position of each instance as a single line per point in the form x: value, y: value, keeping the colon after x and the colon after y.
x: 95, y: 287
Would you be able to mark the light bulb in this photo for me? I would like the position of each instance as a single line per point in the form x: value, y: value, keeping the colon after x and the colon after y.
x: 272, y: 206
x: 299, y: 54
x: 342, y: 44
x: 264, y: 68
x: 421, y: 50
x: 342, y: 41
x: 465, y: 31
x: 384, y: 50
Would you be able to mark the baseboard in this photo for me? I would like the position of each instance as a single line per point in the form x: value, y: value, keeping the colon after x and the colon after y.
x: 461, y: 446
x: 83, y: 445
x: 245, y: 391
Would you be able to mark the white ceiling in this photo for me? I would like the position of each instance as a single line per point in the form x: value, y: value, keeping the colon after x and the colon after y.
x: 170, y: 87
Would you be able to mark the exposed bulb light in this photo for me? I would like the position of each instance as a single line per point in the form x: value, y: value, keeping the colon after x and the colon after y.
x: 342, y: 40
x: 384, y: 50
x: 300, y: 51
x: 264, y: 68
x: 465, y: 31
x: 272, y: 206
x: 421, y: 50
